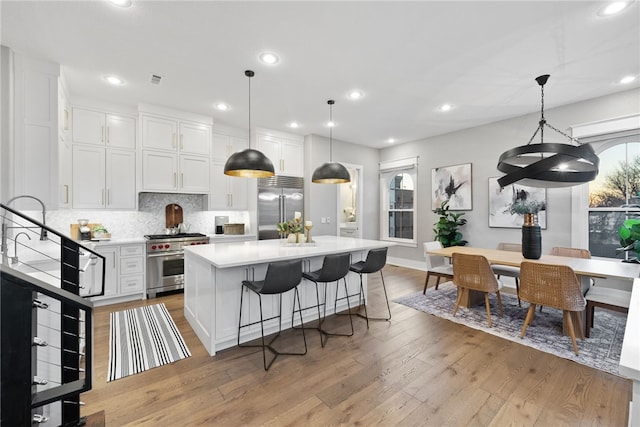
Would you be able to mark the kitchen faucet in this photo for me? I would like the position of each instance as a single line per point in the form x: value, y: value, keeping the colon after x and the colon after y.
x: 4, y: 229
x: 14, y: 258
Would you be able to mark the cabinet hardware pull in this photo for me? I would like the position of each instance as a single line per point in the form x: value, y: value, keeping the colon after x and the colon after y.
x: 39, y: 342
x: 108, y: 196
x: 181, y: 141
x: 66, y: 193
x: 39, y: 304
x: 173, y: 140
x: 40, y: 381
x: 175, y: 180
x: 39, y: 419
x: 102, y: 134
x: 108, y: 138
x: 182, y: 180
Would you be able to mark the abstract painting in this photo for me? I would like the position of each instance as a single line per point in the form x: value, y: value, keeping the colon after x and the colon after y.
x: 501, y: 199
x: 452, y: 183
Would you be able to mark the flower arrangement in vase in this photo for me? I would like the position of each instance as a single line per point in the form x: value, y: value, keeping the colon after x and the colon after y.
x: 292, y: 229
x: 531, y: 234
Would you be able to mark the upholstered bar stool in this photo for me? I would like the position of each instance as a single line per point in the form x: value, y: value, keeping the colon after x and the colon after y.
x: 281, y: 277
x: 376, y: 260
x: 334, y: 268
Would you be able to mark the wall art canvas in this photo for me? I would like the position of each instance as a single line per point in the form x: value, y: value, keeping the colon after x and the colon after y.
x: 501, y: 199
x: 452, y: 183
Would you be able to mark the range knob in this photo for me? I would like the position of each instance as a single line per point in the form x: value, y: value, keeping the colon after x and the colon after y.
x: 166, y: 246
x: 153, y: 247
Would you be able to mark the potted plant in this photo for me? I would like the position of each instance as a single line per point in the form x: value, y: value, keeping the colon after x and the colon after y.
x: 446, y: 229
x: 629, y: 233
x: 531, y: 233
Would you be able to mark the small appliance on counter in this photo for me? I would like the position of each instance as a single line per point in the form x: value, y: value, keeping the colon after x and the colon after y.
x: 220, y: 221
x: 85, y: 230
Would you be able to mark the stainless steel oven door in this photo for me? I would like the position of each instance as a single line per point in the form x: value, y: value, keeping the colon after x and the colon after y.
x: 165, y: 272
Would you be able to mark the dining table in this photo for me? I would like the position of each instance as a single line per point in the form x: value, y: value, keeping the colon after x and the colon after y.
x: 584, y: 268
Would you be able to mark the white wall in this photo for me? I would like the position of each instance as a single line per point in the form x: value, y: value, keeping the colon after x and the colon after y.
x: 321, y: 200
x: 481, y: 146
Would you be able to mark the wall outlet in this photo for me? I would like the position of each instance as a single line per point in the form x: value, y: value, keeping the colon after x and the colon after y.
x: 328, y: 220
x: 323, y: 220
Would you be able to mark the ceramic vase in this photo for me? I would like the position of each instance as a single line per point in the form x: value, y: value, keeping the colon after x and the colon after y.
x: 531, y: 237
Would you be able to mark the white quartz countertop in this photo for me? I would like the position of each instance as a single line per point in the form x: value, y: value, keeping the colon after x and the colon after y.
x: 234, y: 254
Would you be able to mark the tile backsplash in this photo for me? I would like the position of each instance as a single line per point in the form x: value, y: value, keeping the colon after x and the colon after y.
x: 148, y: 219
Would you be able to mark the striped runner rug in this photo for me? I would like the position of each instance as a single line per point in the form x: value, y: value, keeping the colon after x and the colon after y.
x: 143, y: 338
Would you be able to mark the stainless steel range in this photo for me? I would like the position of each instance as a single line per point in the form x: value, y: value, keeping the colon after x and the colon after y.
x: 165, y: 260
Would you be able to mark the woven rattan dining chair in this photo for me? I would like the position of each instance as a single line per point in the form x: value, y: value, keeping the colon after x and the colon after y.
x: 570, y: 252
x: 551, y: 285
x: 508, y: 270
x: 436, y: 265
x: 473, y: 272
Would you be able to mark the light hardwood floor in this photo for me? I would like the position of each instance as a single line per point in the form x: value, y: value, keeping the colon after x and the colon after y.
x: 416, y: 369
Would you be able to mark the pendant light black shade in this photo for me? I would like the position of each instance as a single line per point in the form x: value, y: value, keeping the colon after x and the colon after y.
x: 249, y: 163
x: 548, y: 165
x: 331, y: 172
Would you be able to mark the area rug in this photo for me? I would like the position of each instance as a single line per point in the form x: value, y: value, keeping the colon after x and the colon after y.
x: 143, y: 338
x: 601, y: 351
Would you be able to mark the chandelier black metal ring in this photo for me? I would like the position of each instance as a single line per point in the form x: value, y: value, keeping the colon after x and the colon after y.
x: 548, y: 165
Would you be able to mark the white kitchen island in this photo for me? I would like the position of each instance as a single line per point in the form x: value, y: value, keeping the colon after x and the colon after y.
x: 214, y: 275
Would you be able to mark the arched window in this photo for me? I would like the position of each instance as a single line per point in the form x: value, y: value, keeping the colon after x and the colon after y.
x: 614, y: 195
x: 398, y: 198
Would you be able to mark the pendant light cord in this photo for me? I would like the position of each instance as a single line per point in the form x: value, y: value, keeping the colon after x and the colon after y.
x: 331, y: 124
x: 249, y: 74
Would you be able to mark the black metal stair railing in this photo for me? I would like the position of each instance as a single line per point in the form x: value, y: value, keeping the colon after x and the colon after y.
x: 45, y: 327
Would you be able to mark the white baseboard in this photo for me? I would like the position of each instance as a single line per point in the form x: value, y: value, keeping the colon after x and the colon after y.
x: 408, y: 263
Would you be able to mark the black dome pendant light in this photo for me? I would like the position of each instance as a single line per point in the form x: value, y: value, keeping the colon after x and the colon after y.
x: 249, y: 163
x: 332, y: 172
x: 548, y: 165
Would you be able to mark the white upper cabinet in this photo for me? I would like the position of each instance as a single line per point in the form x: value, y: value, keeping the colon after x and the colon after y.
x: 103, y: 178
x: 227, y: 192
x: 175, y: 154
x: 284, y: 150
x: 160, y: 133
x: 100, y: 128
x: 195, y: 138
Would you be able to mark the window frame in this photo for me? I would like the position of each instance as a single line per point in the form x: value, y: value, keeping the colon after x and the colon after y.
x: 388, y: 171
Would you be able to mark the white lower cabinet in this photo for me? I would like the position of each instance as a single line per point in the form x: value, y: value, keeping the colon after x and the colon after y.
x: 124, y: 273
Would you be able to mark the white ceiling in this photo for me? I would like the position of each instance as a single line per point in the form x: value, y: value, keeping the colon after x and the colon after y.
x: 407, y: 57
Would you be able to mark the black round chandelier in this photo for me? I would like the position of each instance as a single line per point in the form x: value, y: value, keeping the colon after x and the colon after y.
x: 548, y: 165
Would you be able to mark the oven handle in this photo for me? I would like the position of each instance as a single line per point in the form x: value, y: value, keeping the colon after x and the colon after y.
x: 166, y: 254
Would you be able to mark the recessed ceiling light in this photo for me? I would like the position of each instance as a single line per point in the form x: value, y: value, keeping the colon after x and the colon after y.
x: 114, y: 80
x: 121, y: 3
x: 613, y: 7
x: 269, y: 58
x: 355, y: 94
x: 445, y: 107
x: 294, y: 125
x: 221, y: 106
x: 627, y: 79
x: 391, y: 140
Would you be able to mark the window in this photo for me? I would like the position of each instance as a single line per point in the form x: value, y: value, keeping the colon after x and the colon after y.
x: 398, y: 181
x: 614, y: 195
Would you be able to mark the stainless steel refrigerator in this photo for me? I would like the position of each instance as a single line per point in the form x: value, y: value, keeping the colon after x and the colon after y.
x: 279, y: 197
